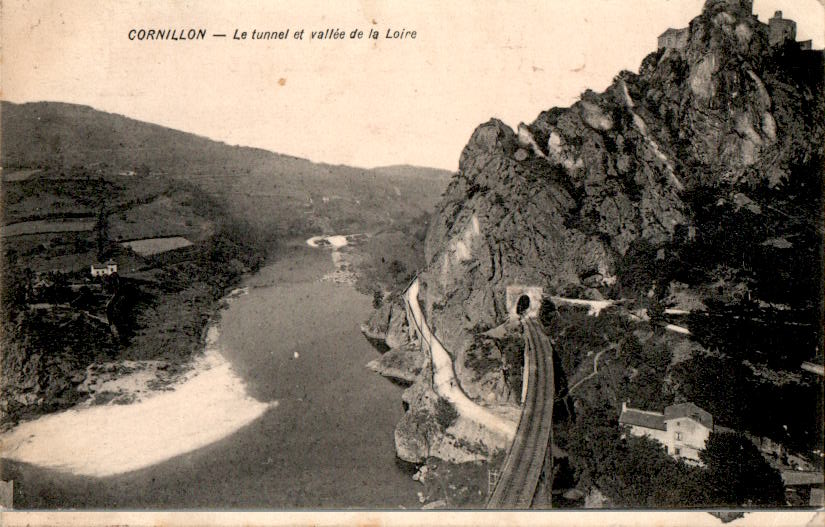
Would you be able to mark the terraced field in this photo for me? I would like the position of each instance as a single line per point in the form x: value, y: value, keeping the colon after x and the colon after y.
x: 46, y: 226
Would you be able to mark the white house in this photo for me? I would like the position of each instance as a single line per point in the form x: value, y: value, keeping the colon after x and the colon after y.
x: 106, y: 269
x: 683, y: 428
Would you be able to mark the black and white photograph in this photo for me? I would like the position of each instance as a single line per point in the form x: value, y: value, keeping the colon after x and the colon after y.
x: 428, y: 262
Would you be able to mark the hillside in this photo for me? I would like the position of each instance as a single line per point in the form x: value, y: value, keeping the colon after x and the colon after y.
x: 696, y: 185
x: 278, y: 193
x: 183, y: 218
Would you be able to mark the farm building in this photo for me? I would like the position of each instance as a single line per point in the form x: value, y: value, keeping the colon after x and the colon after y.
x: 683, y: 428
x: 105, y: 269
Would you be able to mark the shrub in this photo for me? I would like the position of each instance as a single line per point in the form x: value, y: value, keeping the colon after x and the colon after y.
x: 445, y: 413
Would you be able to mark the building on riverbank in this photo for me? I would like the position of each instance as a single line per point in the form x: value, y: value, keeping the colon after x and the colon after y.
x: 683, y: 428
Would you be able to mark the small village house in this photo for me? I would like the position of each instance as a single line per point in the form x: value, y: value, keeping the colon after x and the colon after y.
x: 683, y: 428
x: 105, y: 269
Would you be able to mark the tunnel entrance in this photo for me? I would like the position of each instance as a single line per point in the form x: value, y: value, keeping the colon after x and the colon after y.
x: 522, y: 305
x: 523, y: 300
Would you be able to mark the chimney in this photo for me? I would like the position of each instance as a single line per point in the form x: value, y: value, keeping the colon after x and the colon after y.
x: 624, y: 406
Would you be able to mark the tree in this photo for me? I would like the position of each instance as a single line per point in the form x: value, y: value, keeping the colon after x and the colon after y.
x: 656, y: 312
x: 397, y: 268
x: 547, y: 312
x: 738, y: 475
x: 638, y: 270
x: 102, y: 234
x: 14, y: 291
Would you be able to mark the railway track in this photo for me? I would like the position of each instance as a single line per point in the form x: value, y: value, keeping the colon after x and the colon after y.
x: 525, y: 461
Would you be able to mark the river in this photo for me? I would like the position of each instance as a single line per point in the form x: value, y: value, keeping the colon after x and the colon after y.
x: 328, y: 442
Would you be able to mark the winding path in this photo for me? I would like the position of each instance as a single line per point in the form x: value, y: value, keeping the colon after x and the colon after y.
x: 595, y: 368
x: 444, y: 379
x: 526, y: 459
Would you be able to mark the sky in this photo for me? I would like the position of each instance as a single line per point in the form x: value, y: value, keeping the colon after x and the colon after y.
x: 357, y: 102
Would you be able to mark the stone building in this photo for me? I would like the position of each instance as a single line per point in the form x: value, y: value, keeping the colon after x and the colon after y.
x: 683, y: 428
x: 780, y: 29
x: 674, y: 38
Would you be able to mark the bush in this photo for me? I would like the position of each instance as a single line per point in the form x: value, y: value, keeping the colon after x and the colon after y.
x: 445, y: 413
x: 737, y: 474
x: 547, y: 313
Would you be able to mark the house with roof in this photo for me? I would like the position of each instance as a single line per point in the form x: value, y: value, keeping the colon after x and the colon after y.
x: 683, y: 428
x: 104, y: 269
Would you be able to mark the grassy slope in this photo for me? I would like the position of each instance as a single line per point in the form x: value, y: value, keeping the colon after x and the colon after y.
x: 270, y: 190
x: 235, y: 204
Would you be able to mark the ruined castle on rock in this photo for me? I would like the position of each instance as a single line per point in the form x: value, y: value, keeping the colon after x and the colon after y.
x: 780, y: 29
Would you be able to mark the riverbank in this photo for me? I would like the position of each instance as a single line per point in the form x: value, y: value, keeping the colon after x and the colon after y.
x: 56, y: 337
x: 147, y: 427
x: 292, y: 338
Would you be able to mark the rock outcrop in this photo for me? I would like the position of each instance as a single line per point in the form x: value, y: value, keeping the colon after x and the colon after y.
x: 562, y: 201
x: 612, y: 170
x: 402, y: 364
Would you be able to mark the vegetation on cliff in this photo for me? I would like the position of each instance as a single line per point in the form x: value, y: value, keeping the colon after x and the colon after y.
x: 690, y: 194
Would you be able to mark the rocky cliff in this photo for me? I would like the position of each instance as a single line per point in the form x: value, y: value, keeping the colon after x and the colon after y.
x: 570, y: 201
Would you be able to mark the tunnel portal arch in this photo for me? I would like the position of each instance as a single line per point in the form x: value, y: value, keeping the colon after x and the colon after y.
x: 523, y: 300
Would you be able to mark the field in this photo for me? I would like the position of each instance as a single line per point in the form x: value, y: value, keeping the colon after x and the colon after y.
x: 183, y: 217
x: 47, y: 226
x: 150, y: 246
x: 19, y: 175
x: 170, y: 214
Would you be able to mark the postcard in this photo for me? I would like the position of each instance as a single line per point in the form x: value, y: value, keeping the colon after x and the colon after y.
x: 403, y: 263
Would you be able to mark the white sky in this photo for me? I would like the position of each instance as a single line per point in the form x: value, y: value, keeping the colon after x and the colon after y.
x: 363, y: 103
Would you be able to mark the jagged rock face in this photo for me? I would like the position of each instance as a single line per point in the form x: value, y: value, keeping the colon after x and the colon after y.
x: 388, y: 324
x: 727, y: 101
x: 559, y: 203
x: 568, y: 201
x: 403, y: 364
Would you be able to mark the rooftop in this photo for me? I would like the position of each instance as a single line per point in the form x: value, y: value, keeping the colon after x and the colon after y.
x: 799, y: 478
x: 656, y: 420
x: 691, y: 411
x: 643, y: 418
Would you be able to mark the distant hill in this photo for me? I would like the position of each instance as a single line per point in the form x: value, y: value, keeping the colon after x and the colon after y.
x: 273, y: 191
x: 412, y: 171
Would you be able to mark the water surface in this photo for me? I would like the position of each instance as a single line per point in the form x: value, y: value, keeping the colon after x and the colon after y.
x: 328, y: 443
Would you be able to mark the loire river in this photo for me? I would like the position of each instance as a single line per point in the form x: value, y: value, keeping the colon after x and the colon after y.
x: 328, y: 442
